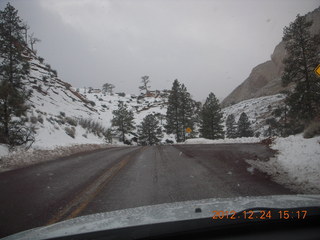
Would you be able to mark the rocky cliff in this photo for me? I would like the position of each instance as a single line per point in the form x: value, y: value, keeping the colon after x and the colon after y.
x: 265, y: 79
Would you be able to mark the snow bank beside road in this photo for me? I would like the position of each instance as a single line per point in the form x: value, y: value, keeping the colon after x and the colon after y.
x: 4, y: 150
x: 296, y: 166
x: 21, y: 158
x: 226, y: 140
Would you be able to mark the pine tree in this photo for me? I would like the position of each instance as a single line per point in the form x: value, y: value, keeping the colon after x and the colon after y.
x: 180, y: 112
x: 273, y: 127
x: 186, y: 113
x: 231, y: 126
x: 145, y: 84
x: 302, y: 58
x: 14, y: 68
x: 123, y: 120
x: 211, y: 119
x: 244, y: 127
x: 279, y: 124
x: 149, y: 131
x: 173, y: 111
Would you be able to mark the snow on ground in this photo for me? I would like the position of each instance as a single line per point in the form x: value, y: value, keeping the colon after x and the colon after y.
x: 52, y: 136
x: 4, y: 150
x: 21, y: 157
x: 140, y: 106
x: 297, y: 164
x: 257, y: 109
x: 226, y: 140
x: 56, y: 109
x: 53, y: 102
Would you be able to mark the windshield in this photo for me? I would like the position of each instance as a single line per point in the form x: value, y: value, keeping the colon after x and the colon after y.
x: 112, y: 105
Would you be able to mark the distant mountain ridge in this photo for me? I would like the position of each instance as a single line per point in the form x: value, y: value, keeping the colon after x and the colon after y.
x: 265, y: 78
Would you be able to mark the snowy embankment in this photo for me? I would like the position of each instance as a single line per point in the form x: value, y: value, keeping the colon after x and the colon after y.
x: 4, y: 150
x: 21, y: 158
x: 297, y: 164
x: 226, y: 140
x: 257, y: 109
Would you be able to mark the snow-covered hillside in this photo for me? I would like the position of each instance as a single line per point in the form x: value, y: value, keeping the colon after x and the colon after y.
x: 53, y: 105
x: 257, y: 109
x: 141, y: 106
x: 56, y: 109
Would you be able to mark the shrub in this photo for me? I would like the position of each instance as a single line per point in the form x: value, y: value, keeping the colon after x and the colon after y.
x: 71, y: 121
x: 169, y: 141
x: 41, y: 60
x: 312, y: 130
x: 70, y: 131
x: 108, y: 135
x: 48, y: 66
x: 92, y: 103
x: 51, y: 120
x: 122, y: 94
x: 60, y: 121
x: 63, y: 114
x: 55, y: 73
x: 40, y: 119
x: 33, y: 119
x: 96, y: 128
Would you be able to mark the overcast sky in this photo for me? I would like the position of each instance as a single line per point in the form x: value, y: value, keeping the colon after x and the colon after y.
x: 209, y: 45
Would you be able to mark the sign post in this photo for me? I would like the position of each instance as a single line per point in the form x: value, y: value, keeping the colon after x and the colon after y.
x: 188, y: 131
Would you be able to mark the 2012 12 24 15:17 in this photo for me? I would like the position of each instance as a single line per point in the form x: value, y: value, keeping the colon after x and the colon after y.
x: 260, y: 214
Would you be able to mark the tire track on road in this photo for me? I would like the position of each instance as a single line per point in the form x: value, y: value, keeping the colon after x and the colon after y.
x: 79, y: 203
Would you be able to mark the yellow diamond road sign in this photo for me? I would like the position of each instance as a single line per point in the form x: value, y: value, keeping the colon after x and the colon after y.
x: 188, y: 130
x: 317, y: 70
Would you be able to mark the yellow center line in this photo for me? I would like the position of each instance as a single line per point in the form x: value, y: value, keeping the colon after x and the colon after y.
x: 80, y: 202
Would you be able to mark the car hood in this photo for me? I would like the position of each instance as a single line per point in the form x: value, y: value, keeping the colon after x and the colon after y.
x: 168, y: 212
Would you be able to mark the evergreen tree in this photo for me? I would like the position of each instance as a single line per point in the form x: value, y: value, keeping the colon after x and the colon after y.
x: 244, y: 127
x: 273, y: 127
x: 149, y: 131
x: 123, y: 120
x: 196, y: 120
x: 211, y: 119
x: 180, y: 111
x: 279, y: 124
x: 231, y: 126
x: 186, y: 113
x: 173, y: 110
x: 302, y: 58
x: 14, y: 68
x: 145, y: 84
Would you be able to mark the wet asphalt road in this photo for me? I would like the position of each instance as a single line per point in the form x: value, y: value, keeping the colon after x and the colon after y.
x: 119, y: 178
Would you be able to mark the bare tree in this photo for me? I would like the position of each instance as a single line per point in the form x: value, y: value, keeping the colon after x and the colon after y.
x: 33, y: 40
x: 145, y: 84
x: 108, y: 88
x: 26, y: 28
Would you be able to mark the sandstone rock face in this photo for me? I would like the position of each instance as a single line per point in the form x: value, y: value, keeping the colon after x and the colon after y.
x: 265, y: 79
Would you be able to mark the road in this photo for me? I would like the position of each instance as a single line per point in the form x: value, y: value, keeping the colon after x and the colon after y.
x: 119, y: 178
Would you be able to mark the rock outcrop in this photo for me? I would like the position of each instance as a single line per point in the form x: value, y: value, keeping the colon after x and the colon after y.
x: 265, y: 79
